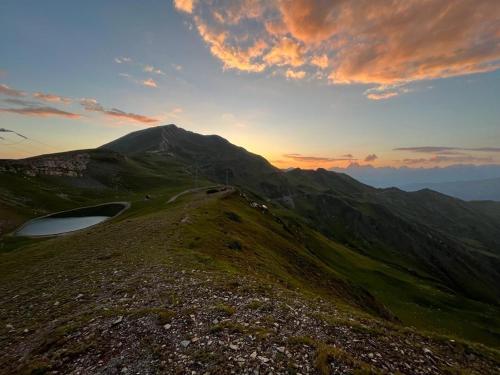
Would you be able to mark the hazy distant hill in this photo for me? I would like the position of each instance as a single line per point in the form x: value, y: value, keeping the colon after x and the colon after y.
x: 468, y: 182
x: 488, y: 189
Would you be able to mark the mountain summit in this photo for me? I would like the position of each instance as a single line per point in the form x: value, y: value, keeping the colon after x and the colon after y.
x: 209, y: 155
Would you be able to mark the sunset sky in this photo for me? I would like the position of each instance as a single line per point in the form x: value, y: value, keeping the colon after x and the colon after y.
x: 303, y: 83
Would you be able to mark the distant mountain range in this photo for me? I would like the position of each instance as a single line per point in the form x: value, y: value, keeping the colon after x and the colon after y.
x: 488, y: 189
x: 467, y: 182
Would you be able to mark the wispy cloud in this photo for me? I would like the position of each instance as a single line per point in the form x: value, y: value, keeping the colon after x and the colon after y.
x: 150, y: 82
x: 152, y: 69
x: 52, y: 98
x: 381, y: 95
x: 307, y: 158
x: 383, y: 45
x: 41, y: 112
x: 9, y: 91
x: 93, y: 105
x: 371, y: 157
x: 445, y: 149
x: 122, y: 60
x: 449, y: 155
x: 22, y: 102
x: 441, y: 159
x: 36, y: 109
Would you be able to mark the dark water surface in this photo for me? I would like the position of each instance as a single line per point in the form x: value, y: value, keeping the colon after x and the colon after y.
x: 70, y: 221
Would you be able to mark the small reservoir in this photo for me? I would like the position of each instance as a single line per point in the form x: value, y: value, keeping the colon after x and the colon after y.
x: 72, y: 220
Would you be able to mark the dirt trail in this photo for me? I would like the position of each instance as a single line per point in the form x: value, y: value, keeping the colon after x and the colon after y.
x: 194, y: 190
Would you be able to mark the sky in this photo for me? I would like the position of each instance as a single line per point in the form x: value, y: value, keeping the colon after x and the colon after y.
x: 304, y: 83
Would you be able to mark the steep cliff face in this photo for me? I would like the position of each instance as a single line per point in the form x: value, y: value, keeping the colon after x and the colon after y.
x: 52, y: 165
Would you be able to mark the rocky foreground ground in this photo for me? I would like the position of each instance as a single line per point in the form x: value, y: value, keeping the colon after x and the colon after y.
x: 166, y: 320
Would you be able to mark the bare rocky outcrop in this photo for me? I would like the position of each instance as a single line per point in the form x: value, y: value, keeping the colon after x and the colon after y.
x: 53, y: 165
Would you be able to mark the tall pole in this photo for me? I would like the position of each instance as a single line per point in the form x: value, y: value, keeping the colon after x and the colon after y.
x: 196, y: 175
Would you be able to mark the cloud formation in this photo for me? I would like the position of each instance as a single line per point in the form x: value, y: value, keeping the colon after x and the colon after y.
x: 184, y: 5
x: 36, y: 109
x: 51, y: 98
x: 371, y: 157
x: 93, y: 105
x: 302, y: 158
x: 233, y: 57
x: 22, y: 102
x: 152, y: 69
x: 295, y: 74
x: 445, y: 149
x: 441, y: 159
x: 41, y: 112
x: 385, y: 45
x: 122, y: 60
x: 381, y: 95
x: 6, y: 90
x: 296, y: 160
x: 149, y: 83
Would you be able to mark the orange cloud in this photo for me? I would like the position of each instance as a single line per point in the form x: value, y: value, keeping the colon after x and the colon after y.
x: 311, y: 21
x: 184, y: 5
x: 130, y: 116
x: 232, y: 12
x: 232, y: 57
x: 381, y: 95
x: 300, y: 157
x: 6, y: 90
x: 149, y: 83
x: 359, y: 42
x: 51, y: 98
x: 41, y: 112
x: 419, y: 40
x: 93, y: 105
x: 311, y: 162
x: 292, y: 74
x: 320, y: 61
x: 286, y: 52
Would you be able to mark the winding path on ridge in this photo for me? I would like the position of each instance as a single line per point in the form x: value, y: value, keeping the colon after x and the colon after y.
x: 193, y: 190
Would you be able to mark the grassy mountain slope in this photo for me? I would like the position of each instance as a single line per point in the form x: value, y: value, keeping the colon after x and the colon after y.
x: 226, y: 278
x: 425, y: 233
x: 29, y: 188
